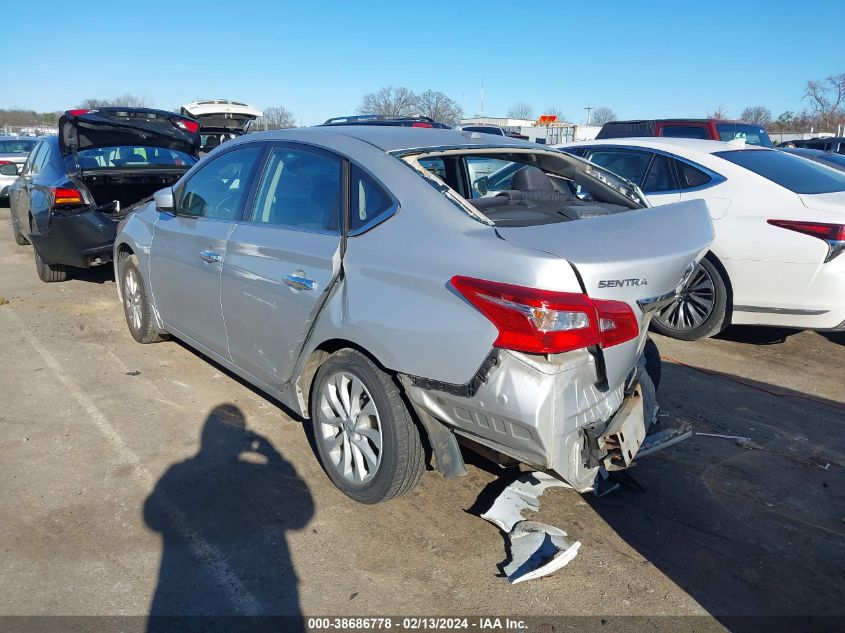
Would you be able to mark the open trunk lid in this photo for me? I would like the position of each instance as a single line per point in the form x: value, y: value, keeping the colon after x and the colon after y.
x: 636, y: 256
x: 221, y: 115
x: 115, y: 126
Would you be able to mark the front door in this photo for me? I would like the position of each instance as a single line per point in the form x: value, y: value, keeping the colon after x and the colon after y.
x: 189, y: 247
x: 281, y: 259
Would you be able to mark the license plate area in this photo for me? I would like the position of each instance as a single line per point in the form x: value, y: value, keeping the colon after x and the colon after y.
x: 626, y: 432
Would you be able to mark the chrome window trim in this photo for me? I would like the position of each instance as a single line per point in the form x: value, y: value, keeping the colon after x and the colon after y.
x: 715, y: 177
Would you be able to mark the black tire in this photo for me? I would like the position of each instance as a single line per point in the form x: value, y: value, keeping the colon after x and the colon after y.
x: 653, y: 364
x: 19, y: 237
x: 672, y: 321
x: 49, y: 273
x: 401, y: 460
x: 136, y: 305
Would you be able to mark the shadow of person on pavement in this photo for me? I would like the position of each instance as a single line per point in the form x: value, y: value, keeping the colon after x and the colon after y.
x: 222, y: 515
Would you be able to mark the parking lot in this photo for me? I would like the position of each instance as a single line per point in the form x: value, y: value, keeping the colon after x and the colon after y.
x: 129, y: 487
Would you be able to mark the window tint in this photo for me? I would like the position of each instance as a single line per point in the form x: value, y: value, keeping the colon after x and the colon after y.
x: 792, y: 172
x: 16, y: 146
x: 683, y: 131
x: 368, y: 201
x: 753, y: 134
x: 659, y: 176
x: 435, y: 165
x: 219, y: 188
x: 628, y: 164
x: 132, y: 156
x: 690, y: 176
x: 299, y: 189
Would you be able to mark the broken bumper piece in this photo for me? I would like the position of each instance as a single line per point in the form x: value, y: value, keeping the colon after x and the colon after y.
x: 536, y: 549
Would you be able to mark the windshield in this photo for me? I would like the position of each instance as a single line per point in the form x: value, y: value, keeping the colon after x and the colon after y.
x: 16, y: 146
x: 753, y: 134
x: 132, y: 156
x: 792, y: 172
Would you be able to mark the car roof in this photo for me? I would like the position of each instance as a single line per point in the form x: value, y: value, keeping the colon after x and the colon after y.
x: 392, y: 138
x: 668, y: 144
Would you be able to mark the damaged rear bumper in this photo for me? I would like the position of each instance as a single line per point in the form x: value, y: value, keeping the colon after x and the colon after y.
x: 81, y: 239
x: 551, y: 414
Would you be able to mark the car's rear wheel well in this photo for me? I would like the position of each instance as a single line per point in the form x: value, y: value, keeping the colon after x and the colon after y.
x: 305, y: 382
x: 124, y: 248
x: 711, y: 256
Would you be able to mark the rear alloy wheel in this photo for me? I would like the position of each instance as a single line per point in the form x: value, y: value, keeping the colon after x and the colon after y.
x: 136, y: 306
x: 366, y: 439
x: 700, y: 309
x: 49, y: 272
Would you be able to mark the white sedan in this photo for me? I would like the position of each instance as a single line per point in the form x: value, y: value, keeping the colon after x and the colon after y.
x: 779, y: 222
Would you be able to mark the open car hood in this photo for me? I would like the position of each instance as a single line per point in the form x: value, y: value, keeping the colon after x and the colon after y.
x: 221, y: 115
x: 115, y: 126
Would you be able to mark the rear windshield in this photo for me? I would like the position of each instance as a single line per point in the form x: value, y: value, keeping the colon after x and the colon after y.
x: 752, y: 134
x: 16, y: 146
x: 133, y: 156
x: 791, y: 172
x: 483, y: 130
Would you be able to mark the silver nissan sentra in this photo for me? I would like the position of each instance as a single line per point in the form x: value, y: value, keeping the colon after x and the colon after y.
x: 406, y: 287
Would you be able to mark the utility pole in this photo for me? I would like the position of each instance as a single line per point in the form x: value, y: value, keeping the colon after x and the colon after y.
x: 588, y: 113
x: 482, y: 97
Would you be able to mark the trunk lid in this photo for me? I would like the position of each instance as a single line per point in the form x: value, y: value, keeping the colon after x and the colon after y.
x: 222, y: 116
x: 831, y: 203
x: 115, y: 126
x: 635, y: 257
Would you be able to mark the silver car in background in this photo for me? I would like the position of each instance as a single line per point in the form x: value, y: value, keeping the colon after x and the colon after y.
x: 356, y: 274
x: 14, y: 151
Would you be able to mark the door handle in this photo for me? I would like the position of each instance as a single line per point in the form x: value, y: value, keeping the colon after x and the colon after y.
x: 299, y: 283
x: 211, y: 257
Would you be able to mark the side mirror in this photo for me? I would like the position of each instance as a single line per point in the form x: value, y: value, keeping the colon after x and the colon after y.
x: 8, y: 169
x: 482, y: 185
x: 164, y: 199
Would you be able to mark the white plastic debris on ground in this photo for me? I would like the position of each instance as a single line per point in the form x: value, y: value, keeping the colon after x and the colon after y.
x: 537, y: 549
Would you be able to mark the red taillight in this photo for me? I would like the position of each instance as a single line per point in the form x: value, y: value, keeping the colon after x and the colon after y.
x: 5, y: 162
x: 66, y: 196
x: 547, y: 322
x: 79, y: 112
x: 187, y: 124
x: 421, y: 124
x: 821, y: 230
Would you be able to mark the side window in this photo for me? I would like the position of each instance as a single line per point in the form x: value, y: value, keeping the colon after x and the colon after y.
x: 218, y: 189
x: 30, y: 160
x: 368, y: 201
x: 39, y: 159
x: 625, y: 163
x: 659, y: 176
x: 690, y: 176
x: 435, y: 165
x: 299, y: 189
x: 684, y: 131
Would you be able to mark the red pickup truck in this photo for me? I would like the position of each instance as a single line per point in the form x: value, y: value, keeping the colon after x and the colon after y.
x: 713, y: 129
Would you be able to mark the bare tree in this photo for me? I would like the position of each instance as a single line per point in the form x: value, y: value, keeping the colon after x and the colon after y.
x: 389, y: 101
x: 556, y: 112
x: 602, y: 115
x: 126, y: 100
x: 719, y: 113
x: 275, y: 118
x: 760, y: 115
x: 825, y: 97
x: 438, y: 106
x: 521, y: 110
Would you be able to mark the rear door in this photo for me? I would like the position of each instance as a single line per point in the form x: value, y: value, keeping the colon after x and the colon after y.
x: 189, y: 246
x: 281, y: 259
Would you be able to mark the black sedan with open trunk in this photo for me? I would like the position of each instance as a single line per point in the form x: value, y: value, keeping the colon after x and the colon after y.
x: 76, y: 187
